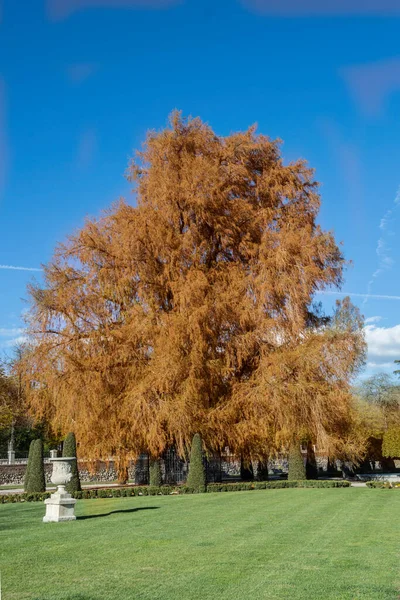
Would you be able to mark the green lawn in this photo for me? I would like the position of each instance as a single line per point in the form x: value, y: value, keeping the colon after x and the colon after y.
x: 284, y: 544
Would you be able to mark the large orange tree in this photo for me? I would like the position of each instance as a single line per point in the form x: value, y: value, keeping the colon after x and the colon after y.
x: 193, y: 311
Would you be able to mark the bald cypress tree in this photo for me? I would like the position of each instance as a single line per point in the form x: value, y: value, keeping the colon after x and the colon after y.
x: 194, y: 309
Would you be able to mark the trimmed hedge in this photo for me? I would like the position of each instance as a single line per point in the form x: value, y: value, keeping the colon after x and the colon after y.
x: 166, y: 490
x: 34, y: 497
x: 383, y: 485
x: 275, y: 485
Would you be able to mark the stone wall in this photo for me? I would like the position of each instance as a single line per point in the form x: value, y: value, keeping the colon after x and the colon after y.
x: 173, y: 471
x: 14, y: 474
x: 101, y: 472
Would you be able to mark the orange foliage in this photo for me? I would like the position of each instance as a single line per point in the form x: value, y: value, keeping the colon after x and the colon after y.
x: 192, y: 312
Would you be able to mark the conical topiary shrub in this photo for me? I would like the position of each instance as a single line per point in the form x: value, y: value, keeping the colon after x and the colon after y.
x: 36, y: 480
x: 69, y: 450
x: 297, y: 470
x: 29, y: 465
x: 155, y: 473
x: 197, y: 477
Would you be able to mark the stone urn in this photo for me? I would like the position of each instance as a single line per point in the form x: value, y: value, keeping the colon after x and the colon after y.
x: 60, y: 506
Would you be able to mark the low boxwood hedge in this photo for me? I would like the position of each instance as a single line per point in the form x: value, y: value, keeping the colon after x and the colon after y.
x: 26, y: 497
x: 166, y: 490
x: 383, y: 485
x: 275, y: 485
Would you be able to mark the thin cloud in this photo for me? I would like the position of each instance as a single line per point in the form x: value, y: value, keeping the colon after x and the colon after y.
x: 87, y: 147
x: 377, y: 365
x: 62, y: 9
x: 79, y: 72
x: 371, y: 84
x: 15, y: 268
x: 358, y: 295
x: 18, y: 341
x: 386, y: 262
x: 303, y: 8
x: 350, y: 165
x: 371, y: 320
x: 10, y: 331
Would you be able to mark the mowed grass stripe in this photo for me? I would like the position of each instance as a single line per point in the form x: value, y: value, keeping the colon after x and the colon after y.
x: 293, y: 543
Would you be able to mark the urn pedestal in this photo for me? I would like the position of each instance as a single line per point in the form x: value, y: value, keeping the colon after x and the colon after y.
x: 60, y: 506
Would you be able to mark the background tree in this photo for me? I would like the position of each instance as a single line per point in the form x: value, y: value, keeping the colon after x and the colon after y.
x: 69, y: 450
x: 197, y: 477
x: 36, y: 481
x: 193, y: 312
x: 9, y: 405
x: 397, y: 371
x: 14, y: 416
x: 391, y: 442
x: 378, y: 400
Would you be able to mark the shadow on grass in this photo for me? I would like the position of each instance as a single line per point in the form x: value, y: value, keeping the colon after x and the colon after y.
x: 116, y: 512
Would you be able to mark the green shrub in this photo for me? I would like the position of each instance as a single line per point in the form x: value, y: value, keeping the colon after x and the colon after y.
x: 12, y: 498
x: 197, y: 477
x: 87, y: 494
x: 186, y: 489
x: 125, y: 492
x: 36, y: 480
x: 69, y: 450
x: 166, y: 490
x: 383, y: 485
x: 297, y: 469
x: 29, y: 465
x: 275, y: 485
x: 104, y: 493
x: 155, y: 473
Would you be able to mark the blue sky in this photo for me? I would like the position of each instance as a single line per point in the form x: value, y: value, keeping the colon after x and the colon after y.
x: 82, y: 80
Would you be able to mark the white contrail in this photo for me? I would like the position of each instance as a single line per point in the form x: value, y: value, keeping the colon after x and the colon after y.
x: 385, y: 260
x: 13, y: 268
x: 379, y: 296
